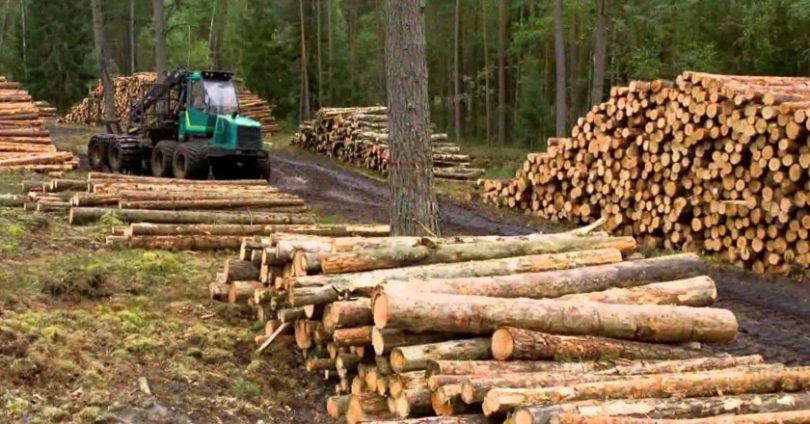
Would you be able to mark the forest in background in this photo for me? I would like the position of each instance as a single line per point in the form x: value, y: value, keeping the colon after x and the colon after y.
x: 493, y: 64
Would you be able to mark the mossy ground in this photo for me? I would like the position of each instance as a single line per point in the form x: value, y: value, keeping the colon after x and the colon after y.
x: 80, y: 324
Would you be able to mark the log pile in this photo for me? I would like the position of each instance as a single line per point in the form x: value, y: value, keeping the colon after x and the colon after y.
x: 713, y: 163
x: 24, y: 144
x: 46, y: 111
x: 256, y: 108
x: 360, y: 136
x: 531, y: 329
x: 163, y: 213
x: 128, y: 90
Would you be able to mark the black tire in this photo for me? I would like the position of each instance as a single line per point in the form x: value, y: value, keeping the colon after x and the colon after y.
x: 163, y: 157
x: 97, y: 153
x: 224, y: 169
x: 191, y: 161
x: 258, y: 169
x: 146, y: 160
x: 124, y: 155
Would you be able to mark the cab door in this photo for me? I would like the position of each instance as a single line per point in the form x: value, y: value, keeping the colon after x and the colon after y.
x: 195, y: 120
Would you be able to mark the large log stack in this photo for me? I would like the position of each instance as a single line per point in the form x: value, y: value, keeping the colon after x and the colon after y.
x: 360, y: 136
x: 24, y: 144
x: 254, y: 107
x: 714, y: 163
x: 545, y: 328
x: 128, y: 90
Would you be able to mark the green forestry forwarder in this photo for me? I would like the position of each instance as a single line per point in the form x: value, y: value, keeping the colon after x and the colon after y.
x: 183, y: 127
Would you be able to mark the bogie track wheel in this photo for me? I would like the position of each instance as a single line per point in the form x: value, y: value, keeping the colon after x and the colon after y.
x: 162, y: 158
x: 191, y: 161
x: 124, y: 155
x: 97, y: 153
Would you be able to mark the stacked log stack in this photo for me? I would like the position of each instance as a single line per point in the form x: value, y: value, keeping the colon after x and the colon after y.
x: 256, y: 108
x: 46, y: 111
x: 24, y: 144
x: 531, y: 329
x: 129, y: 89
x: 360, y: 136
x: 714, y: 163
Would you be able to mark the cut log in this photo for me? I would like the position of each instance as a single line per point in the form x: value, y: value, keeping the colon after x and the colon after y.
x: 413, y: 403
x: 356, y: 336
x: 319, y: 364
x: 675, y: 408
x: 406, y: 380
x: 352, y: 313
x: 192, y: 243
x: 486, y: 368
x: 239, y: 270
x: 365, y: 260
x: 324, y: 288
x: 553, y: 284
x: 511, y: 343
x: 12, y: 200
x: 336, y: 406
x: 137, y: 229
x: 79, y: 215
x: 241, y: 291
x: 446, y: 401
x: 784, y: 417
x: 410, y: 358
x: 695, y: 384
x: 696, y: 291
x: 269, y: 202
x: 461, y: 419
x: 474, y: 389
x: 366, y: 406
x: 386, y: 340
x: 482, y: 315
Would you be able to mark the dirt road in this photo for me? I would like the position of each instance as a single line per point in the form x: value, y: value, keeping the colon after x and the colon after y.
x: 773, y: 312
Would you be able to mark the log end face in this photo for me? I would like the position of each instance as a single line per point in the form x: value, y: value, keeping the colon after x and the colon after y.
x: 397, y: 360
x: 380, y: 311
x: 401, y: 405
x: 522, y: 416
x: 467, y: 392
x: 502, y: 344
x: 377, y: 341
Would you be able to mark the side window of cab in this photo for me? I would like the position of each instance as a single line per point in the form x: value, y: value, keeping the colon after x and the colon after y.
x: 198, y: 95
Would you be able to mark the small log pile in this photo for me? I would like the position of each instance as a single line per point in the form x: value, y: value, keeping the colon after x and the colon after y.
x: 24, y: 144
x: 714, y: 163
x: 544, y: 328
x: 360, y: 136
x: 46, y: 111
x: 256, y: 108
x: 128, y: 90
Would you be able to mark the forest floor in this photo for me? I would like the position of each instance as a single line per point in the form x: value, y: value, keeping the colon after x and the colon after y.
x: 80, y: 324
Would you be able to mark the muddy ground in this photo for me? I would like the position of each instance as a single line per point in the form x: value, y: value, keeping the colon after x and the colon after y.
x: 80, y: 324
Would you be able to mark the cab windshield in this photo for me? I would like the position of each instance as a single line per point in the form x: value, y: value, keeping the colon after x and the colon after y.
x: 221, y: 97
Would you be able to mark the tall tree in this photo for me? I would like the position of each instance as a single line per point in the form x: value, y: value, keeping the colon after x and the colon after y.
x: 485, y: 46
x: 133, y: 48
x: 330, y: 46
x: 559, y: 59
x: 318, y: 51
x: 304, y: 102
x: 503, y: 21
x: 457, y: 107
x: 414, y: 209
x: 103, y: 61
x: 600, y: 35
x: 160, y: 37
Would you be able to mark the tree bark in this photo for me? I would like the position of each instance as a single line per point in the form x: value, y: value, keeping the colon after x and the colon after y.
x: 191, y: 243
x: 355, y: 336
x: 304, y: 111
x: 326, y: 288
x: 352, y: 313
x: 413, y: 402
x: 241, y: 291
x: 414, y: 210
x: 102, y: 61
x: 236, y: 270
x: 674, y: 408
x: 485, y: 46
x: 268, y: 202
x: 559, y: 59
x: 446, y: 401
x: 159, y: 23
x: 600, y: 42
x: 133, y: 48
x: 511, y: 343
x: 429, y: 253
x: 406, y: 380
x: 149, y: 229
x: 366, y: 405
x: 330, y: 47
x: 80, y: 216
x: 482, y: 315
x: 483, y: 368
x: 318, y: 49
x: 695, y: 384
x: 410, y: 358
x: 783, y: 417
x: 697, y: 291
x: 336, y: 406
x: 386, y: 340
x: 461, y: 419
x: 554, y: 284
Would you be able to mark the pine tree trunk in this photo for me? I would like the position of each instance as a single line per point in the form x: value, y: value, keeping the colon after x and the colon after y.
x: 457, y: 106
x: 304, y: 114
x: 318, y: 51
x: 102, y: 60
x: 160, y: 38
x: 414, y: 210
x: 600, y: 34
x: 485, y: 46
x: 330, y: 48
x: 503, y: 21
x: 133, y: 48
x: 559, y: 59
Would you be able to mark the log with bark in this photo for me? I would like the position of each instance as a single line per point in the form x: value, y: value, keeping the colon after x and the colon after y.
x: 79, y: 215
x: 482, y: 315
x: 695, y: 384
x: 416, y: 357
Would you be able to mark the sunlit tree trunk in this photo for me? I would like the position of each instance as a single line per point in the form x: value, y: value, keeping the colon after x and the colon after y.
x: 102, y: 60
x: 600, y: 36
x: 559, y: 58
x: 502, y: 24
x: 304, y: 98
x: 457, y: 106
x: 160, y: 37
